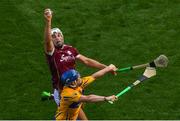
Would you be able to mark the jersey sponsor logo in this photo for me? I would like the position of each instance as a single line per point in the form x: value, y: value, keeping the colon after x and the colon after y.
x: 66, y: 58
x: 69, y: 52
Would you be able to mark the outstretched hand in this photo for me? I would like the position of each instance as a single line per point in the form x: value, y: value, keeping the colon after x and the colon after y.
x: 111, y: 98
x: 48, y: 14
x: 112, y: 69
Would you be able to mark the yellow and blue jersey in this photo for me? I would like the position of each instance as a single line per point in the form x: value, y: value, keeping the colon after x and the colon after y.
x: 69, y: 104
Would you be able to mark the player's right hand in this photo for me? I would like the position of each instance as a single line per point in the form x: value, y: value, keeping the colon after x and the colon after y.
x: 111, y: 98
x: 47, y: 14
x: 112, y: 69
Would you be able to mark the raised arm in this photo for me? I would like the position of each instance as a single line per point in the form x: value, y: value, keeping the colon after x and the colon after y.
x: 100, y: 73
x: 48, y: 44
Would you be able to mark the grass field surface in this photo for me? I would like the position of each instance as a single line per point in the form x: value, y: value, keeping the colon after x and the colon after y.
x: 122, y: 32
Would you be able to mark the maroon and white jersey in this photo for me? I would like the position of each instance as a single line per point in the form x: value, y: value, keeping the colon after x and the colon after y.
x: 61, y: 60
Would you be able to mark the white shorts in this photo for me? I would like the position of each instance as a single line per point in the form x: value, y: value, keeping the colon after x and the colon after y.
x: 57, y: 97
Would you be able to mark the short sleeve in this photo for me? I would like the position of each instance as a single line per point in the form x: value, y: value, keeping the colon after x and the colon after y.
x: 86, y: 81
x: 75, y: 52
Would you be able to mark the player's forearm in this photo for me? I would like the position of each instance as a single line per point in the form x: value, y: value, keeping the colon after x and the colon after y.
x: 47, y: 32
x: 101, y: 72
x: 48, y: 44
x: 94, y: 64
x: 95, y: 98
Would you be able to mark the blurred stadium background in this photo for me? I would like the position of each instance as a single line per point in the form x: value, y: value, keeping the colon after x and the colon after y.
x: 122, y: 32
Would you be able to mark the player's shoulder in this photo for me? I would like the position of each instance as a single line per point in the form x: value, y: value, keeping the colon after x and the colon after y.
x: 86, y: 81
x: 87, y: 78
x: 65, y: 46
x: 70, y: 47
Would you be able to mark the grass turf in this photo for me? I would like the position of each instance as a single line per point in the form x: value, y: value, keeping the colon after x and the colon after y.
x: 122, y: 32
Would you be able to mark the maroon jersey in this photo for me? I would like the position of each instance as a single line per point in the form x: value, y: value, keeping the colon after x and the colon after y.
x: 60, y: 61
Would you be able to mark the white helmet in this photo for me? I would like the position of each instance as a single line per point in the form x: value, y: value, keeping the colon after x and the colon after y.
x: 56, y: 30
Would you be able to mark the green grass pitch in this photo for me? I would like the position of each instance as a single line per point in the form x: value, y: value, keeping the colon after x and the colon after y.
x: 122, y: 32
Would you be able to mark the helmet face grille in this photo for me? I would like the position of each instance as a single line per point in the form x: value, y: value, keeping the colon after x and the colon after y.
x: 161, y: 61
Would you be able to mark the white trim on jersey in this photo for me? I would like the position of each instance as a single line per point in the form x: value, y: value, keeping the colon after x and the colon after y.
x: 77, y: 56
